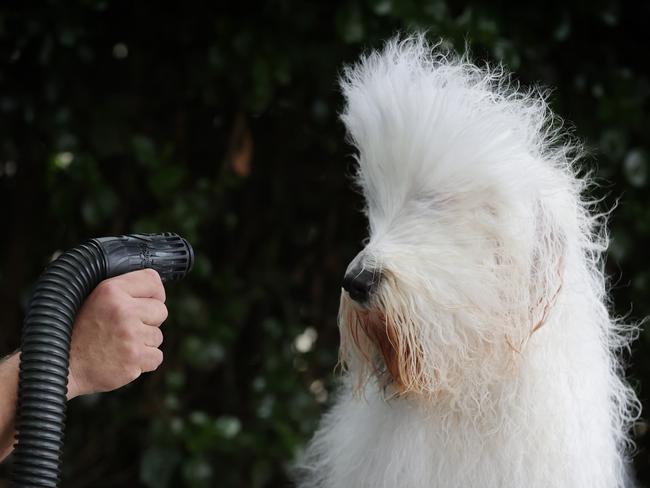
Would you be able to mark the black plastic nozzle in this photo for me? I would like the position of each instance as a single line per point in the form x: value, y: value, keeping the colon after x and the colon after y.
x: 167, y: 253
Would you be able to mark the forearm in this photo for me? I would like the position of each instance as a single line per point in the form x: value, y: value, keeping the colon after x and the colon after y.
x: 8, y: 393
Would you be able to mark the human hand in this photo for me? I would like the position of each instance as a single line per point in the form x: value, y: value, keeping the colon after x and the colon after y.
x: 116, y: 336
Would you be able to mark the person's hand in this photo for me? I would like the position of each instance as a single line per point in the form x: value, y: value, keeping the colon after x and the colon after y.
x: 116, y: 335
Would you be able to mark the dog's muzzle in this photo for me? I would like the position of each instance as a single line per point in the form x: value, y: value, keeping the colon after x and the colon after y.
x: 361, y: 283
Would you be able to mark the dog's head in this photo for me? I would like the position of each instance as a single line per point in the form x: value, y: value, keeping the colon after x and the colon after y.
x: 470, y: 206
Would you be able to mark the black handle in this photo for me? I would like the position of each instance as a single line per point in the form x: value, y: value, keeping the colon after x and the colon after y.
x: 167, y: 253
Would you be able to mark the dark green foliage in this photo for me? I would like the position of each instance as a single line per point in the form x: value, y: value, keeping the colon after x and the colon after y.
x: 220, y: 123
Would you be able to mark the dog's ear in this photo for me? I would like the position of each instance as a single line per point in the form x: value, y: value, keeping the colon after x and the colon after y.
x: 547, y: 266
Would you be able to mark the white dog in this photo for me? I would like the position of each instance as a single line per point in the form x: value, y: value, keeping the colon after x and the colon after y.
x: 476, y: 343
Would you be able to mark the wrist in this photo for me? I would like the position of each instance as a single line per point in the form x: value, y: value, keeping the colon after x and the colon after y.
x: 75, y: 384
x: 12, y: 365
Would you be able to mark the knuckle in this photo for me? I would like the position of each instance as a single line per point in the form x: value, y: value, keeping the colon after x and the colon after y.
x: 108, y: 289
x: 161, y: 290
x: 122, y: 312
x: 158, y: 337
x: 129, y: 335
x: 159, y: 358
x: 131, y: 354
x: 154, y: 278
x: 164, y: 313
x: 153, y: 360
x: 152, y: 275
x: 133, y: 374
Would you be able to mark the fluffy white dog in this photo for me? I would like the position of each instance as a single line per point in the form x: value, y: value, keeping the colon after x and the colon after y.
x: 476, y: 343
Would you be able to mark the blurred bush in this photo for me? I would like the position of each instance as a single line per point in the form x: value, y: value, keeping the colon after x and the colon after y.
x: 220, y: 122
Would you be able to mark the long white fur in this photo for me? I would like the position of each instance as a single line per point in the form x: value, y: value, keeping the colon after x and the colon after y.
x: 493, y: 281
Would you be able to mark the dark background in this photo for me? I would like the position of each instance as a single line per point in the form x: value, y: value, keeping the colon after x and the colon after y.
x: 220, y: 123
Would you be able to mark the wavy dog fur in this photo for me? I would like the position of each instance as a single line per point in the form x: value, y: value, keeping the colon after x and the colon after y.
x: 487, y: 356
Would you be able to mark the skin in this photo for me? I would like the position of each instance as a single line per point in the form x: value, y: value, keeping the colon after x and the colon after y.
x: 116, y: 337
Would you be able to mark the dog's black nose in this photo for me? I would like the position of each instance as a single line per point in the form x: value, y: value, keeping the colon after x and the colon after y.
x: 360, y: 283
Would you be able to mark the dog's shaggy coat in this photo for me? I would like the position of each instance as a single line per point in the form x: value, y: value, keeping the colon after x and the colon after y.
x: 486, y: 357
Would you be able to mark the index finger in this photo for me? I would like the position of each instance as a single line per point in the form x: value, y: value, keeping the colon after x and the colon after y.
x: 144, y: 283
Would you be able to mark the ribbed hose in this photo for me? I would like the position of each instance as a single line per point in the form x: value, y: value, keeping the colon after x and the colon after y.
x: 47, y: 331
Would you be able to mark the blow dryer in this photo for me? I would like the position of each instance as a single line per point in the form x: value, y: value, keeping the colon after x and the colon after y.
x: 47, y: 331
